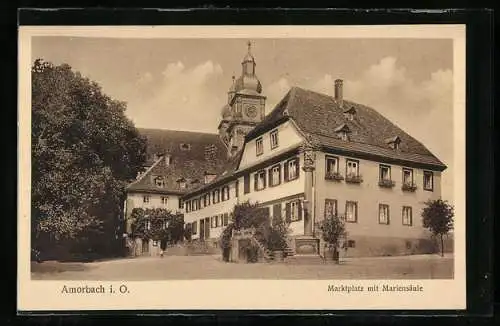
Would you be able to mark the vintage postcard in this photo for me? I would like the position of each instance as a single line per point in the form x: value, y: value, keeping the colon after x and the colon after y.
x: 241, y: 167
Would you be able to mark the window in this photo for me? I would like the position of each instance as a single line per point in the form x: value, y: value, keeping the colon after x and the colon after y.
x: 343, y: 135
x: 216, y: 196
x: 159, y: 182
x: 332, y: 165
x: 246, y: 184
x: 407, y: 215
x: 164, y: 201
x: 148, y: 225
x: 236, y: 188
x: 260, y: 180
x: 351, y: 211
x: 221, y: 219
x: 352, y: 168
x: 164, y: 224
x: 225, y: 193
x: 206, y: 200
x: 259, y: 146
x: 428, y: 181
x: 407, y: 177
x: 292, y: 169
x: 275, y: 175
x: 226, y: 219
x: 330, y: 208
x: 294, y: 211
x: 194, y: 227
x: 274, y: 139
x: 145, y: 199
x: 385, y: 173
x: 383, y: 214
x: 395, y: 145
x: 181, y: 204
x: 188, y: 206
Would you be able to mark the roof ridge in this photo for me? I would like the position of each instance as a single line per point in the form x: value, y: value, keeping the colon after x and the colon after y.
x: 180, y: 131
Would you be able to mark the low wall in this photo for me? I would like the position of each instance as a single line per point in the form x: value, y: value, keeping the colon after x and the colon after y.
x: 369, y: 246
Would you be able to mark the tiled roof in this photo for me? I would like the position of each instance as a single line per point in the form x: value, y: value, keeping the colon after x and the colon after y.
x: 318, y: 115
x: 225, y: 172
x: 189, y: 159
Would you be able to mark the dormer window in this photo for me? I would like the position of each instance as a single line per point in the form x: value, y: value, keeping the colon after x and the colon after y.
x: 182, y: 183
x: 159, y: 182
x: 195, y: 182
x: 343, y: 132
x: 394, y: 142
x: 350, y: 113
x: 185, y: 147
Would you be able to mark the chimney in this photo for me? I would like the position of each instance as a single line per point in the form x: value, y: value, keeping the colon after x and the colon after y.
x: 338, y: 92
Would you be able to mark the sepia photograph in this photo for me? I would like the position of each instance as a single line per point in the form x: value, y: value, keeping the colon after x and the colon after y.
x: 244, y: 156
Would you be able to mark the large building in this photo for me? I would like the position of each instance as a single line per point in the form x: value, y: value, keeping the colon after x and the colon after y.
x: 312, y: 156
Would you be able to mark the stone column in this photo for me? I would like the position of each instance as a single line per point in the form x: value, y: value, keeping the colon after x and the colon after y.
x: 308, y: 167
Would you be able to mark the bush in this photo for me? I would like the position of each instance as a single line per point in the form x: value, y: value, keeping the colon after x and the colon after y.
x: 277, y: 235
x: 225, y: 241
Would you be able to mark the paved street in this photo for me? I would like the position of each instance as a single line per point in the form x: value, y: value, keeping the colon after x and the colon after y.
x: 211, y: 267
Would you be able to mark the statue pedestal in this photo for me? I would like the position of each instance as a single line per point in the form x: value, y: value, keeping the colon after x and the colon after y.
x: 306, y: 245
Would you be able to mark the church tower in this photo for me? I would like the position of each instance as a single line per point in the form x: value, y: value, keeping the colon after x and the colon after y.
x: 245, y: 107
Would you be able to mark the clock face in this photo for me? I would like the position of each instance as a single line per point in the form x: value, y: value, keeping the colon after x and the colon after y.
x: 251, y: 111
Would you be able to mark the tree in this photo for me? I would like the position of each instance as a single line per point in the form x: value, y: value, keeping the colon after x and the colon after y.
x: 84, y: 152
x: 248, y: 215
x: 438, y: 218
x: 175, y: 228
x: 158, y: 224
x: 333, y: 230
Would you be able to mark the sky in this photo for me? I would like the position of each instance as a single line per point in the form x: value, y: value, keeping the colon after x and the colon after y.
x: 182, y: 84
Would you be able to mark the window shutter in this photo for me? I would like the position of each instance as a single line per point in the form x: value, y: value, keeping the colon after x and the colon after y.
x: 264, y: 174
x: 299, y: 203
x: 287, y: 212
x: 277, y: 210
x: 236, y: 188
x: 270, y: 174
x: 297, y: 168
x: 286, y: 172
x: 246, y: 183
x: 255, y: 180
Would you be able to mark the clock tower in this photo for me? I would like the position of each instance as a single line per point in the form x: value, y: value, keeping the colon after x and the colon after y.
x: 245, y: 107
